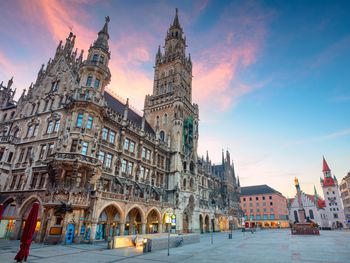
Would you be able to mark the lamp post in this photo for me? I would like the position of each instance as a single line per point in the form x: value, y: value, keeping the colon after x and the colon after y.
x: 230, y: 219
x: 213, y: 222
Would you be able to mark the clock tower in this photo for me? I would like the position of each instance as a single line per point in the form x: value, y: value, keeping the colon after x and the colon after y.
x: 334, y: 204
x: 169, y: 110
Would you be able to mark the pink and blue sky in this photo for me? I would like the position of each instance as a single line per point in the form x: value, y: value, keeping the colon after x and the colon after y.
x: 272, y: 78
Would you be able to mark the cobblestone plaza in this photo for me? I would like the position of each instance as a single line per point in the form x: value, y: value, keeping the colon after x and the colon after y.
x: 263, y: 246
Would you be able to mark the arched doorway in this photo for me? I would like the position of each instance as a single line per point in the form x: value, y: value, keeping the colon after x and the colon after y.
x: 133, y: 222
x: 108, y: 223
x: 201, y: 223
x: 7, y: 224
x: 185, y: 222
x: 153, y: 219
x: 24, y: 213
x: 207, y: 224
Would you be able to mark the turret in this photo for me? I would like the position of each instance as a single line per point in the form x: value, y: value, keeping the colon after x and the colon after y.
x: 6, y: 93
x: 126, y: 110
x: 94, y: 72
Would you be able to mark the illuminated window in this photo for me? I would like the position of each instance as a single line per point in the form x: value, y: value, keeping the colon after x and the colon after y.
x: 80, y: 120
x: 84, y: 148
x: 89, y: 122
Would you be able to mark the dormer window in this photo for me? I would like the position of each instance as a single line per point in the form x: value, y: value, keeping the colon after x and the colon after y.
x: 88, y: 81
x: 94, y: 58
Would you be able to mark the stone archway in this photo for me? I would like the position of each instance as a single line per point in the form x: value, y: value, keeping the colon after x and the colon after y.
x: 201, y: 224
x: 207, y: 224
x: 7, y: 224
x: 133, y: 221
x: 23, y: 213
x: 185, y: 223
x: 187, y: 216
x: 109, y: 222
x: 153, y: 224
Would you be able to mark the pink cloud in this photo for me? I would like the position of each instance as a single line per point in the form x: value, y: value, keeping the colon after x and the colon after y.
x: 232, y: 46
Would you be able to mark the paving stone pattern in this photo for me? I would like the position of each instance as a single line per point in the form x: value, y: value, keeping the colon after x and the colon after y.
x: 263, y: 246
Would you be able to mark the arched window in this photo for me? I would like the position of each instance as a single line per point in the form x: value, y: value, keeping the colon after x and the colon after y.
x: 12, y: 115
x: 5, y: 116
x: 94, y: 58
x: 191, y: 183
x: 162, y: 136
x: 184, y: 184
x: 185, y: 166
x: 157, y: 121
x: 191, y: 167
x: 311, y: 213
x: 89, y: 81
x: 170, y: 87
x: 165, y: 119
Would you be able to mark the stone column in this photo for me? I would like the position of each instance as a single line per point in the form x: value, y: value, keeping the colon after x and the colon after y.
x: 160, y: 228
x: 93, y: 232
x: 17, y: 230
x: 122, y: 229
x: 38, y: 179
x: 46, y: 180
x: 143, y: 228
x: 17, y: 180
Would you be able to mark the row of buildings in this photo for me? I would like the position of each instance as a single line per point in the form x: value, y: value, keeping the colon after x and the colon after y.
x: 97, y: 167
x: 263, y: 206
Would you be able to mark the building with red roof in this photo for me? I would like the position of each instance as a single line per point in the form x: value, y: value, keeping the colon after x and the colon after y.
x: 333, y: 201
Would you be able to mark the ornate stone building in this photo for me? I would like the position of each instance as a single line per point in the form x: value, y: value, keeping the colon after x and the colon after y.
x: 96, y: 166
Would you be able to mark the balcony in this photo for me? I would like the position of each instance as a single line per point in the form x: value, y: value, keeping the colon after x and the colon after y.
x: 76, y: 156
x: 9, y: 139
x: 99, y: 64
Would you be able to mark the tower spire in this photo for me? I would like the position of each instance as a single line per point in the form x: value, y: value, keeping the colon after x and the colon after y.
x: 176, y: 22
x: 103, y: 37
x: 326, y: 171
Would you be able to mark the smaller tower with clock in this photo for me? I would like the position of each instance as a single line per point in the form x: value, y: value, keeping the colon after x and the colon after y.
x: 334, y: 205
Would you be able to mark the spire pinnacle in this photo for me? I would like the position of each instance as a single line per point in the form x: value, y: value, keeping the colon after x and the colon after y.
x: 176, y: 19
x: 325, y: 166
x: 103, y: 36
x: 105, y: 27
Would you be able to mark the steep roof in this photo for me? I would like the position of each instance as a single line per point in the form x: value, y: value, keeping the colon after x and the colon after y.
x: 320, y: 202
x: 119, y: 107
x: 258, y: 190
x: 325, y: 166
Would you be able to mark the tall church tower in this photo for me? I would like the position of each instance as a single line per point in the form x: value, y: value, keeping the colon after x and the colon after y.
x: 169, y: 110
x: 334, y: 204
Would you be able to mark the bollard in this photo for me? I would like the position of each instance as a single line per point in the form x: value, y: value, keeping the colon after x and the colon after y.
x: 144, y: 244
x: 110, y: 243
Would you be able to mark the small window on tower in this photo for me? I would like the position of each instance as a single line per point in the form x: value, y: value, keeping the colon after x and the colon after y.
x: 162, y: 136
x: 102, y: 59
x: 94, y: 58
x: 89, y: 81
x: 97, y: 83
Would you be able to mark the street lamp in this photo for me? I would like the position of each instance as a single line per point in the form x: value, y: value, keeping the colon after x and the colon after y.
x: 213, y: 222
x: 230, y: 220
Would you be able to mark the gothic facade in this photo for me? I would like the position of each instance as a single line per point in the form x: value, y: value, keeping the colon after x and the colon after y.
x: 96, y: 166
